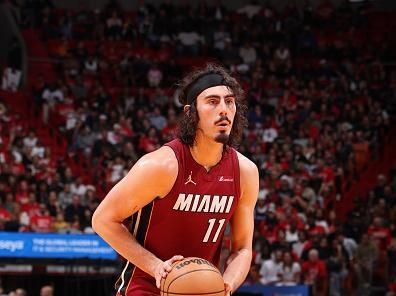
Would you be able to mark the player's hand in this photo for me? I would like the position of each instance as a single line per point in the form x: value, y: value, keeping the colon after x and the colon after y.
x: 162, y: 269
x: 228, y: 289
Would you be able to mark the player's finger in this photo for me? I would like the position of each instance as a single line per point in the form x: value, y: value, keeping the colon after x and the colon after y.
x: 227, y: 289
x: 176, y: 258
x: 167, y: 266
x: 164, y: 273
x: 157, y: 282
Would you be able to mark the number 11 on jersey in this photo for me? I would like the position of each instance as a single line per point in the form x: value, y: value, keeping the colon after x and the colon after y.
x: 212, y: 223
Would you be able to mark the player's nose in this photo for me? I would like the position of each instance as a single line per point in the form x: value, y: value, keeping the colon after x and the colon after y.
x: 222, y: 107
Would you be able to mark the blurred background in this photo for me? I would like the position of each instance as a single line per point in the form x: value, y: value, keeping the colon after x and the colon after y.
x: 87, y: 87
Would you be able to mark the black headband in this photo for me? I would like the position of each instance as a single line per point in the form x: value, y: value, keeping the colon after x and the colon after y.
x: 202, y: 83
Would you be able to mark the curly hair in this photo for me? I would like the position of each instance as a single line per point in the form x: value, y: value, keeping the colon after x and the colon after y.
x: 189, y: 122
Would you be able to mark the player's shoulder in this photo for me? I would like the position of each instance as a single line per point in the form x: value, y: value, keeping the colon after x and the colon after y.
x: 246, y: 166
x: 162, y: 159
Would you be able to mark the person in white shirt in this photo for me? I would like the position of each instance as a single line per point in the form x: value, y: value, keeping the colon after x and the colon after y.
x: 190, y: 42
x: 11, y: 79
x: 282, y: 59
x: 298, y: 247
x: 31, y: 140
x: 221, y: 37
x: 290, y: 271
x: 269, y: 135
x: 271, y: 269
x: 250, y: 9
x: 78, y: 187
x: 292, y: 231
x: 50, y: 96
x: 248, y: 54
x: 38, y: 150
x: 91, y: 65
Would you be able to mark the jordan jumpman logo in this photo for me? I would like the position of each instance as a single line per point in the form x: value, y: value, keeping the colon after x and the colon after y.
x: 189, y: 180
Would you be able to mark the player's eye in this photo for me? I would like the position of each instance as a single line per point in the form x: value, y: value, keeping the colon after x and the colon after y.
x: 230, y: 101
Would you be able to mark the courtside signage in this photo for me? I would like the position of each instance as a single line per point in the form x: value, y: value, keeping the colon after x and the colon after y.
x: 59, y: 246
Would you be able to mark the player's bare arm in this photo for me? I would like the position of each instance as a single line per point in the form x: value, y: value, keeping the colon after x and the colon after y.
x: 242, y: 224
x: 151, y: 177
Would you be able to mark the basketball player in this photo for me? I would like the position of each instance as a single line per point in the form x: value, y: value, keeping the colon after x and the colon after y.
x: 182, y: 195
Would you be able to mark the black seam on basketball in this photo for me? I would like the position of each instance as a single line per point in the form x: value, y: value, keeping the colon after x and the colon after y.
x: 162, y: 287
x: 215, y: 271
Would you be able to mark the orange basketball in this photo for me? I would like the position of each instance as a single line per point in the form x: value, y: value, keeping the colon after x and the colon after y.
x: 193, y: 276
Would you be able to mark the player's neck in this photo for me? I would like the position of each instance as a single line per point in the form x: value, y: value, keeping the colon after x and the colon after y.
x: 207, y: 152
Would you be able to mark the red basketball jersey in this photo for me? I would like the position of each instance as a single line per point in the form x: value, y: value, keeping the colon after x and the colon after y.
x: 189, y: 221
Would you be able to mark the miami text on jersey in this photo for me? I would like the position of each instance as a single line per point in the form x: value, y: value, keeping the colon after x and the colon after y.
x: 203, y: 203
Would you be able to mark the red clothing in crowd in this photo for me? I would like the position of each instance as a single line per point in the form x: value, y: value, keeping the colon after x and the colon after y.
x: 317, y: 229
x: 31, y: 209
x: 270, y: 233
x: 169, y: 131
x: 4, y: 214
x: 22, y: 197
x: 313, y: 271
x: 381, y: 233
x: 41, y: 223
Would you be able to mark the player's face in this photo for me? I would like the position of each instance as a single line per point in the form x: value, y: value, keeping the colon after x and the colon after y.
x: 216, y: 109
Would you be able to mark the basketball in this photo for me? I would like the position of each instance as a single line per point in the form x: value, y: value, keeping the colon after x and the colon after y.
x: 193, y: 276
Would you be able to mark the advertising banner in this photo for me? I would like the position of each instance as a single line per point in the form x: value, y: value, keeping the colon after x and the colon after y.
x: 56, y: 246
x: 298, y: 290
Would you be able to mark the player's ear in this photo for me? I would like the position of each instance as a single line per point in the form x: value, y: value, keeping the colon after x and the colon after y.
x: 187, y: 109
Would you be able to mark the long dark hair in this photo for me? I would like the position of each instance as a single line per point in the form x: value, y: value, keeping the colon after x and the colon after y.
x: 189, y: 121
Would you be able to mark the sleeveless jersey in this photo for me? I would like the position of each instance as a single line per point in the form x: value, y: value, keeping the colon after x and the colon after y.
x: 189, y: 221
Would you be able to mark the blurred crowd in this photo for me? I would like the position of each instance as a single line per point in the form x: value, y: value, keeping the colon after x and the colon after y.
x: 321, y: 103
x: 46, y: 290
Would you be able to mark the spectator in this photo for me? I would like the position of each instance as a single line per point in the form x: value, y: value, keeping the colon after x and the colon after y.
x: 292, y: 233
x: 5, y: 216
x: 117, y: 170
x: 75, y: 211
x: 190, y: 41
x: 150, y: 142
x: 114, y: 25
x: 20, y: 292
x: 42, y: 221
x: 60, y: 225
x: 220, y: 38
x: 91, y: 65
x: 379, y: 232
x: 78, y: 187
x: 157, y: 119
x: 337, y: 268
x: 85, y: 139
x: 65, y: 196
x: 314, y: 273
x: 31, y: 140
x: 253, y: 278
x: 47, y: 291
x: 290, y: 271
x: 366, y: 254
x: 11, y: 79
x: 271, y: 269
x: 281, y: 60
x: 251, y: 9
x: 154, y: 76
x: 261, y: 208
x: 53, y: 204
x: 248, y: 54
